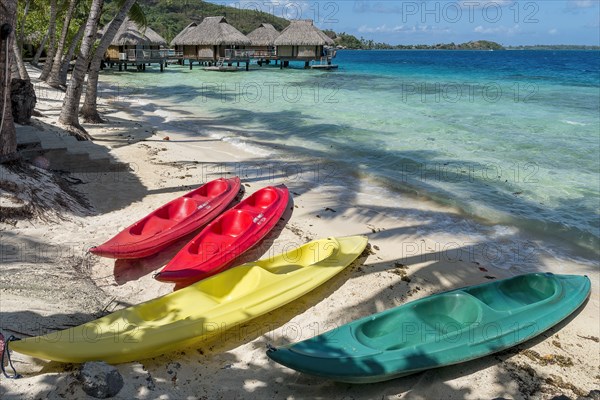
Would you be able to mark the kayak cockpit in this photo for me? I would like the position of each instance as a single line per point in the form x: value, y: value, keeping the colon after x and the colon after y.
x: 261, y: 200
x: 323, y: 252
x: 428, y: 320
x: 517, y: 292
x: 238, y: 283
x: 210, y: 190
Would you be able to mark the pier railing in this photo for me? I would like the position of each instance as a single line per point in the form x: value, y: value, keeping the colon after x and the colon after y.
x: 263, y: 53
x: 144, y: 55
x: 232, y: 54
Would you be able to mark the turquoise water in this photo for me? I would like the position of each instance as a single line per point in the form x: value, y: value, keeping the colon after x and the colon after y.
x: 510, y: 137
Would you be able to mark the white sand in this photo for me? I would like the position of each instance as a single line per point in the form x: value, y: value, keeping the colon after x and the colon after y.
x: 53, y: 282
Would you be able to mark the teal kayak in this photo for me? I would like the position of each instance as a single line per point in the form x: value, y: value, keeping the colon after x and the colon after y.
x: 443, y: 329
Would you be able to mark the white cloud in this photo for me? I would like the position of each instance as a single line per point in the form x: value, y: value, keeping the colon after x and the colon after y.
x: 582, y: 3
x: 576, y: 6
x: 470, y: 4
x: 503, y: 30
x: 553, y: 31
x: 397, y: 7
x: 403, y: 29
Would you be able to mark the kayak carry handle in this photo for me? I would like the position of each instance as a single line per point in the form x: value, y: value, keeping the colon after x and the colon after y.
x: 6, y: 352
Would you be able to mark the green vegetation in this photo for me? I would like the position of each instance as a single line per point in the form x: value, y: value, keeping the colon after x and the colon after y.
x: 169, y: 17
x: 345, y: 40
x: 36, y: 24
x: 351, y: 42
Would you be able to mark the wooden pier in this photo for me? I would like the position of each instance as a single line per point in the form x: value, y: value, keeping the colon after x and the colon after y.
x: 139, y: 58
x: 230, y: 57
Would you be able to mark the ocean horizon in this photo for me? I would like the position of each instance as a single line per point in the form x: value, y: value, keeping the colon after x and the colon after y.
x: 509, y: 138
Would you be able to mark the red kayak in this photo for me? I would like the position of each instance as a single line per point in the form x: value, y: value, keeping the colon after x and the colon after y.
x: 172, y: 221
x: 227, y: 237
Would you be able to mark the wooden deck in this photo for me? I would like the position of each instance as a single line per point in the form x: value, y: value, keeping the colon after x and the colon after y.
x: 229, y: 61
x: 139, y: 58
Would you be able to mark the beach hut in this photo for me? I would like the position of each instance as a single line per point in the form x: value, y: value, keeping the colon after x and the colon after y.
x: 213, y: 41
x: 302, y: 41
x: 135, y: 45
x: 262, y: 42
x: 176, y: 39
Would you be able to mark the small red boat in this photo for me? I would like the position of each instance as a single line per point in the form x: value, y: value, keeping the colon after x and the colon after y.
x: 227, y: 237
x: 172, y: 221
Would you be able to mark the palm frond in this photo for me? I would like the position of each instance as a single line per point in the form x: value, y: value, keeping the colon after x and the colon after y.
x: 137, y: 15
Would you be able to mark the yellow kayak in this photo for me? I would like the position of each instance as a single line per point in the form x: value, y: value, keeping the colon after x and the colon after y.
x: 206, y: 308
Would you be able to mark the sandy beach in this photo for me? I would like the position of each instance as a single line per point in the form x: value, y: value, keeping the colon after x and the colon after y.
x: 49, y: 281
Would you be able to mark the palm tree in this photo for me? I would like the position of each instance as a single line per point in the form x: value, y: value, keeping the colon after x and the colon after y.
x: 69, y: 112
x: 51, y: 41
x: 16, y: 47
x: 89, y: 110
x: 18, y: 44
x: 38, y: 53
x: 64, y: 69
x: 8, y: 138
x: 54, y: 74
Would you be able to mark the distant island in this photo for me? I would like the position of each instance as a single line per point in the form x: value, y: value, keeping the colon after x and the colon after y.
x: 347, y: 41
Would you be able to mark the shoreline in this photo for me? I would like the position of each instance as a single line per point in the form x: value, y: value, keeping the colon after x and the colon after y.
x: 513, y: 199
x: 431, y: 257
x: 307, y: 166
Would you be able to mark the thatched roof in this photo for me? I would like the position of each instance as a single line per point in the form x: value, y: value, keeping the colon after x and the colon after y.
x: 212, y: 31
x: 183, y: 32
x: 130, y: 34
x: 264, y: 35
x: 302, y: 33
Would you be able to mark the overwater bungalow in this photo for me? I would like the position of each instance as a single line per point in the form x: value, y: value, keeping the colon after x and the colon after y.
x: 179, y: 48
x: 262, y: 46
x: 213, y: 42
x: 302, y: 41
x: 133, y: 45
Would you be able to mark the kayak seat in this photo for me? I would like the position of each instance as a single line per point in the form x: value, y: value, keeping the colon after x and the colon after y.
x: 449, y: 312
x: 210, y: 244
x: 247, y: 280
x: 199, y: 199
x: 262, y: 199
x: 210, y: 190
x: 233, y: 223
x: 165, y: 217
x: 517, y: 292
x: 427, y: 321
x: 301, y: 257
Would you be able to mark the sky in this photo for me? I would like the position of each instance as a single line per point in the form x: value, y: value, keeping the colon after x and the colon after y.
x: 507, y: 22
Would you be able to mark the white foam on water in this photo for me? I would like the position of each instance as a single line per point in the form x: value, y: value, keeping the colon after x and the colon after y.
x: 569, y: 122
x: 500, y: 231
x: 241, y: 144
x: 166, y: 115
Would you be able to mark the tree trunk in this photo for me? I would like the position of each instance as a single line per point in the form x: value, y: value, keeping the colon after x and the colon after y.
x: 52, y: 41
x: 36, y: 58
x: 22, y: 31
x: 69, y: 112
x: 19, y: 61
x: 66, y: 63
x: 89, y: 110
x: 54, y: 75
x: 14, y: 70
x: 8, y: 138
x: 18, y: 44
